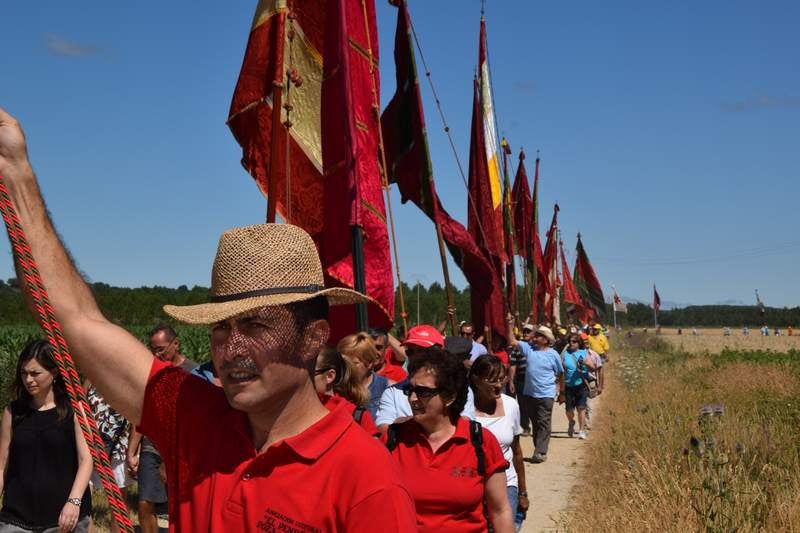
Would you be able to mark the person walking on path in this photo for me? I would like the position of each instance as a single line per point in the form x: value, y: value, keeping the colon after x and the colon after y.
x: 235, y: 456
x: 499, y: 413
x: 574, y: 389
x: 359, y: 350
x: 544, y: 375
x: 598, y: 342
x: 453, y: 467
x: 338, y: 386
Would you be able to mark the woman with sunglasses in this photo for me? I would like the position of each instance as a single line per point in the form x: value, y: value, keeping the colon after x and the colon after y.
x: 499, y: 413
x: 339, y: 388
x: 575, y: 392
x: 43, y: 453
x: 450, y: 465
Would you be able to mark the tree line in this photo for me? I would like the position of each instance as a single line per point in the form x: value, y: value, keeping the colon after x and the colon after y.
x: 426, y: 305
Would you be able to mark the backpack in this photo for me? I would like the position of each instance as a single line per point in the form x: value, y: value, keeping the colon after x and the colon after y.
x: 475, y: 437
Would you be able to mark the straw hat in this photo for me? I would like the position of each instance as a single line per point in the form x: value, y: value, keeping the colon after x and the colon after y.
x: 262, y: 266
x: 546, y: 333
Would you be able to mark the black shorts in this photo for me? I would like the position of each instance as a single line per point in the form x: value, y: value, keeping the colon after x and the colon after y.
x: 151, y: 489
x: 576, y: 397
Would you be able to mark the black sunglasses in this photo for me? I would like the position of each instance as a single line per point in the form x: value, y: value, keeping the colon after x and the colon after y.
x: 322, y: 370
x: 421, y: 392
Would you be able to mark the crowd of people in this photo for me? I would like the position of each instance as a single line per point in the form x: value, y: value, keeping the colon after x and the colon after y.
x: 414, y: 434
x: 452, y: 420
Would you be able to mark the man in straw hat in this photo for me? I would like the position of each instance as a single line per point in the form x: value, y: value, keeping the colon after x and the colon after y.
x: 544, y: 374
x: 262, y: 452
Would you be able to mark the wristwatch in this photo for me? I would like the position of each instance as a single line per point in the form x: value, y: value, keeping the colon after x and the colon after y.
x: 524, y: 493
x: 74, y: 501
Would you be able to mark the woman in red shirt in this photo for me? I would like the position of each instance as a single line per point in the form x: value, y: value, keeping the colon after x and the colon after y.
x: 339, y: 388
x: 449, y: 464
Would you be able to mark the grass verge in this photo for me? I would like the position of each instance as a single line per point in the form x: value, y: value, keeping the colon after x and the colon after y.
x: 694, y: 442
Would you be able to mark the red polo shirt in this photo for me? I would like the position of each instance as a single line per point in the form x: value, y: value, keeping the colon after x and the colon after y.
x: 331, y: 477
x: 337, y: 402
x: 392, y: 368
x: 447, y: 490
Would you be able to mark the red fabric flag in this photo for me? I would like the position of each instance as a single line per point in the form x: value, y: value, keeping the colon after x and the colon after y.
x: 508, y: 230
x: 536, y: 266
x: 409, y: 164
x: 523, y: 210
x: 586, y: 281
x: 582, y: 312
x: 484, y: 164
x: 656, y: 299
x: 481, y: 221
x: 550, y: 281
x: 250, y: 117
x: 350, y: 137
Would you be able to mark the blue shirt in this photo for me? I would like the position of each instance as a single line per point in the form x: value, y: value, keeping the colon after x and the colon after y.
x: 376, y: 387
x: 394, y: 404
x: 573, y: 377
x: 541, y: 371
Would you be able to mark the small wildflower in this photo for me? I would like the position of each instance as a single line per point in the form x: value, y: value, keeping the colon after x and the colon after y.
x: 719, y: 409
x: 706, y: 410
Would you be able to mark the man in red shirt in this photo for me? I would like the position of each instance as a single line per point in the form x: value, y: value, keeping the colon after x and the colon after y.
x: 262, y: 452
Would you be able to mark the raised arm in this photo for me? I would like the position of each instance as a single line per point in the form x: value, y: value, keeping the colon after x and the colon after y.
x: 512, y: 339
x: 398, y: 349
x: 5, y: 444
x: 113, y: 359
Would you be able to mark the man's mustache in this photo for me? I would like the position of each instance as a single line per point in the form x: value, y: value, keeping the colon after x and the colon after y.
x: 244, y: 364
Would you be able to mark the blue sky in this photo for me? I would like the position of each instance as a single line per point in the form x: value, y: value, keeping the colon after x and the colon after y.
x: 669, y: 133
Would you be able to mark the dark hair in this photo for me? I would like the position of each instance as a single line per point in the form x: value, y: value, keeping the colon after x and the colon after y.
x: 377, y: 333
x: 450, y: 375
x: 465, y: 324
x: 42, y: 352
x: 487, y: 366
x: 168, y: 330
x: 581, y: 343
x: 309, y: 310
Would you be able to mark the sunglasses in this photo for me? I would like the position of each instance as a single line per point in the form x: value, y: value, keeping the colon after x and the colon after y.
x: 421, y: 392
x: 573, y: 341
x: 322, y: 370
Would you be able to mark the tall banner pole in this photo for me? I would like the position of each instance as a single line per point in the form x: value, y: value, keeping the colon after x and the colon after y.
x: 278, y: 131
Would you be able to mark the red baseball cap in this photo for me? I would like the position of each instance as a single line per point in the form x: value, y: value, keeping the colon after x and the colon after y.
x: 425, y: 336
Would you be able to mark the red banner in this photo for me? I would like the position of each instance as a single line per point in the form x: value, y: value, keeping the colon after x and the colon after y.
x: 353, y: 194
x: 551, y: 282
x: 251, y: 121
x: 409, y: 164
x: 481, y: 223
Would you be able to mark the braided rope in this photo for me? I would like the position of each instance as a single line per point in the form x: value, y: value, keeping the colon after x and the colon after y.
x: 66, y: 365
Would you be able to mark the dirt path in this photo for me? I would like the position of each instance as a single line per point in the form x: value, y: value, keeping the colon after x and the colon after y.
x: 550, y: 483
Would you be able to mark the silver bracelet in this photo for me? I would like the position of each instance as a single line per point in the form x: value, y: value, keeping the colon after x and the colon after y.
x: 74, y: 501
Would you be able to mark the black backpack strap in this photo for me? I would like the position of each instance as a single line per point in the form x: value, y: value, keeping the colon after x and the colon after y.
x: 391, y: 436
x: 476, y: 438
x: 358, y: 414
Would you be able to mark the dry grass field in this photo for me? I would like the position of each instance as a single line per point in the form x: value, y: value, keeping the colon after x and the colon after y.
x: 695, y: 440
x: 712, y: 340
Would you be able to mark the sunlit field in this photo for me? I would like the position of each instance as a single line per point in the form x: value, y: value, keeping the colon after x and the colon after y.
x: 695, y: 440
x: 713, y: 340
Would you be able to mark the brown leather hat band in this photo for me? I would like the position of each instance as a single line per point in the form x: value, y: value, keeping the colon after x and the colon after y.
x: 266, y: 292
